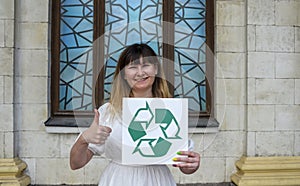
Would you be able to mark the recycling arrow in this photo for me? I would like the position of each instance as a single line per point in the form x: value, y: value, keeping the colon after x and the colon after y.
x: 171, y: 127
x: 139, y: 125
x: 142, y: 116
x: 161, y: 147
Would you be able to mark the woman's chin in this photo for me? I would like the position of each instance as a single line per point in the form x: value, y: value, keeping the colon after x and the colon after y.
x: 141, y: 87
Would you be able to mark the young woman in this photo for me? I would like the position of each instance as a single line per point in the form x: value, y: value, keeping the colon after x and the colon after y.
x: 138, y: 74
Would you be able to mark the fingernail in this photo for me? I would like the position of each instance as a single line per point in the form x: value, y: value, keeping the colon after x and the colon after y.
x: 174, y: 165
x: 174, y: 159
x: 179, y: 153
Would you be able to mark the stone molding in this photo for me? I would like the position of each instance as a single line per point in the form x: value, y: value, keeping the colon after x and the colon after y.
x: 11, y: 172
x: 258, y: 171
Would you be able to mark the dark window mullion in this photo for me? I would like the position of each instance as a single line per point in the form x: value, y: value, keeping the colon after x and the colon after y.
x: 98, y: 53
x: 55, y: 47
x: 210, y: 56
x: 168, y: 42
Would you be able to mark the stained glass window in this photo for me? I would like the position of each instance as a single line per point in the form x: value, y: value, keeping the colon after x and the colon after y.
x: 190, y: 59
x: 76, y: 37
x: 127, y: 22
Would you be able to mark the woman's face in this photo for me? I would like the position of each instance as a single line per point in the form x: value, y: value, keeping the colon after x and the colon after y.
x: 140, y: 76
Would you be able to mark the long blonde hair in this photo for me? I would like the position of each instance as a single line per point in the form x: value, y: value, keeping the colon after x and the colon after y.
x: 120, y: 87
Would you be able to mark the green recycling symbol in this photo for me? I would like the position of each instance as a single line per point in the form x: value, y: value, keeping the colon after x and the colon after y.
x: 138, y: 131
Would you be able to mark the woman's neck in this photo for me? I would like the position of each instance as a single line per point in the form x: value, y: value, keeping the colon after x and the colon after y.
x: 142, y: 94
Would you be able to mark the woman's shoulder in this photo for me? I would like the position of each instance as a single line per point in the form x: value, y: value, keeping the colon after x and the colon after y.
x: 105, y: 105
x: 104, y: 112
x: 103, y: 108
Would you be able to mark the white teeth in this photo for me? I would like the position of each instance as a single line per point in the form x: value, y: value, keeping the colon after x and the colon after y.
x: 142, y: 79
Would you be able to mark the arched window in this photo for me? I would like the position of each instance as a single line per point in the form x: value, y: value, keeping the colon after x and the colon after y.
x: 88, y: 36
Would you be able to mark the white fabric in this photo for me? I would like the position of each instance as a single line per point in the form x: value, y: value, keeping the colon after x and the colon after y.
x: 115, y: 173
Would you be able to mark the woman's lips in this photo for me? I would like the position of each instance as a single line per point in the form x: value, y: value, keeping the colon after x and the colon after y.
x: 141, y: 79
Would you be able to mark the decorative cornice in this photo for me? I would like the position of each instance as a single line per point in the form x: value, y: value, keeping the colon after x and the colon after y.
x: 11, y: 172
x: 271, y: 171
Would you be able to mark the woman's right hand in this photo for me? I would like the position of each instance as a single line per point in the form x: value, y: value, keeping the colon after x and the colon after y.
x: 96, y: 133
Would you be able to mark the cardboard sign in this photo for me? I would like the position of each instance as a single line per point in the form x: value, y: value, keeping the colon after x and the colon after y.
x: 154, y: 130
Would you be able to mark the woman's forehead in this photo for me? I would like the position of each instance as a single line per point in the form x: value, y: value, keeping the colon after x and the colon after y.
x: 141, y: 60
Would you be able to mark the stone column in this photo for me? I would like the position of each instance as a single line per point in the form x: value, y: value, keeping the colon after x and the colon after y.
x: 11, y: 167
x: 272, y: 156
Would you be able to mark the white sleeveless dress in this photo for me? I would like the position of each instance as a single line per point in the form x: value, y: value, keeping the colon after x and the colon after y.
x: 115, y: 173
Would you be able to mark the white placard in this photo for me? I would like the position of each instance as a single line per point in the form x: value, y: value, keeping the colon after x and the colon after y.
x: 155, y: 129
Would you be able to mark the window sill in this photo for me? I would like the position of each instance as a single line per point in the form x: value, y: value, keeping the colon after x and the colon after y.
x: 66, y: 125
x: 77, y: 130
x: 65, y: 130
x: 69, y: 122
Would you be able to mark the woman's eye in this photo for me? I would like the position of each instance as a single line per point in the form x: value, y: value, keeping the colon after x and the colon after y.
x: 132, y: 67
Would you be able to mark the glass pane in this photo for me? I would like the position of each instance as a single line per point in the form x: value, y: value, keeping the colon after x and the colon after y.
x: 76, y: 37
x: 128, y: 22
x: 190, y: 52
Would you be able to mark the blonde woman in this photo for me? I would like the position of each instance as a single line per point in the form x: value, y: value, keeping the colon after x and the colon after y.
x: 138, y: 74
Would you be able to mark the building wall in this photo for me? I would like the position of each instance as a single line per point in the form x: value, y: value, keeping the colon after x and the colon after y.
x: 6, y: 77
x: 273, y: 74
x: 257, y: 91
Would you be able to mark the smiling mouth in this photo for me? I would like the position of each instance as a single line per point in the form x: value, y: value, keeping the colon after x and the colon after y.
x: 141, y: 79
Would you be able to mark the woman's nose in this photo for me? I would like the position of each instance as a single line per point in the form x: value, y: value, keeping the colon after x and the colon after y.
x: 140, y: 70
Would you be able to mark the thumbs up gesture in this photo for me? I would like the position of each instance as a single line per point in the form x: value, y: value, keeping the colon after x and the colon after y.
x: 96, y: 133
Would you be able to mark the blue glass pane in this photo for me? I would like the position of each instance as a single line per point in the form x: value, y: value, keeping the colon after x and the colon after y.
x: 128, y: 22
x: 190, y: 52
x: 76, y: 37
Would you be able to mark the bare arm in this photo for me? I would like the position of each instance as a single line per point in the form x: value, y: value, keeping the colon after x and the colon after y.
x: 80, y: 155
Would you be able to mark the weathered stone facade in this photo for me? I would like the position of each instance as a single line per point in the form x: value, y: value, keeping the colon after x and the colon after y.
x: 257, y: 91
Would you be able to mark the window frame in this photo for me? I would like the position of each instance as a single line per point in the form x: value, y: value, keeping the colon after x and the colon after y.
x: 84, y: 118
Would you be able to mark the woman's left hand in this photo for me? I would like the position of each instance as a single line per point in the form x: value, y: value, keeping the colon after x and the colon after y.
x: 188, y: 161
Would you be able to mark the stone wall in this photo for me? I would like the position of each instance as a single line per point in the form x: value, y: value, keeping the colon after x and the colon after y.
x: 273, y: 71
x: 7, y: 20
